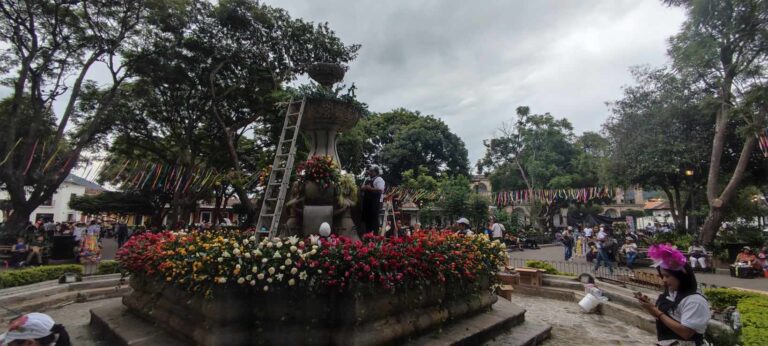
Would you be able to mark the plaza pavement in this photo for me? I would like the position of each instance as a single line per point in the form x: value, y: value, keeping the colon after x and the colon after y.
x: 555, y: 253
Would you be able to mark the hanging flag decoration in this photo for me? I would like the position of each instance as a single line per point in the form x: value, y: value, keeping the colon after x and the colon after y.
x: 581, y: 195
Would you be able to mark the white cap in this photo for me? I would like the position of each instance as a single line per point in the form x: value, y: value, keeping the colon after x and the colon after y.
x: 463, y: 220
x: 28, y: 327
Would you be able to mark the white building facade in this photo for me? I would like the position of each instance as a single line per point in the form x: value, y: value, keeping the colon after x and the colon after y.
x: 57, y: 208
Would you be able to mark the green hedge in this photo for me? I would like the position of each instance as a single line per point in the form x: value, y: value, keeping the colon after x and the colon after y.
x: 754, y: 330
x: 108, y: 267
x: 20, y: 277
x: 752, y: 307
x: 546, y: 267
x: 721, y: 298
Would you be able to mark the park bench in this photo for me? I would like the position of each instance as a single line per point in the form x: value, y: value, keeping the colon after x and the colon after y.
x: 6, y: 254
x: 530, y: 276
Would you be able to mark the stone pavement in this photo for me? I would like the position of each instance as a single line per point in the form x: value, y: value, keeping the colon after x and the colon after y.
x: 571, y: 326
x: 555, y: 253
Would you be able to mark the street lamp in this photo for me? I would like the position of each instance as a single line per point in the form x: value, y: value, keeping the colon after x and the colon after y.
x: 689, y: 173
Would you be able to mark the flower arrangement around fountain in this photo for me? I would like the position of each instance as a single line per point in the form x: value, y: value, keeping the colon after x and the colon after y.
x: 200, y: 262
x: 319, y: 169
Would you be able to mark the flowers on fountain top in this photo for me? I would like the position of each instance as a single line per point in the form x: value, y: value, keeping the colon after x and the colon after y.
x: 321, y: 170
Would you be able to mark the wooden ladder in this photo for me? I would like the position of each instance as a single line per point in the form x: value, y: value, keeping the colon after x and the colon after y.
x: 282, y: 166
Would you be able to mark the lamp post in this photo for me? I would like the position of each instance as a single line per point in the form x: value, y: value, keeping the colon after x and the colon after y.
x: 689, y: 173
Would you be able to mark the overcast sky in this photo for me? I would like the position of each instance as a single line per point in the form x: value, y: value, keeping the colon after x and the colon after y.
x: 471, y: 63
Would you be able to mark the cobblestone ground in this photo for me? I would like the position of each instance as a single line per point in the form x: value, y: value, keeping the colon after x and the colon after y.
x: 572, y: 327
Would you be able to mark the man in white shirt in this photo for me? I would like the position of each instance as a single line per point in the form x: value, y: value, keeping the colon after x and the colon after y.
x: 588, y: 232
x: 373, y: 196
x: 497, y: 230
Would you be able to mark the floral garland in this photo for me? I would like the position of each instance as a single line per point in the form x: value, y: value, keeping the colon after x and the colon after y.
x: 319, y: 169
x: 200, y: 262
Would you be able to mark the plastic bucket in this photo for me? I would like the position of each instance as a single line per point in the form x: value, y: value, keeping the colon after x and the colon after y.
x: 589, y: 302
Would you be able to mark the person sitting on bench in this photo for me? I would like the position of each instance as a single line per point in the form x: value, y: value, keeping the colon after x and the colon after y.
x: 747, y: 259
x: 698, y: 255
x: 36, y: 249
x: 20, y: 250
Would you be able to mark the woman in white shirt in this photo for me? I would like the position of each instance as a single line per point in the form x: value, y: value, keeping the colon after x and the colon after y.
x: 681, y: 312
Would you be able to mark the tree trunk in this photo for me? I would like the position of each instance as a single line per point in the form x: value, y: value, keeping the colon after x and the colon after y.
x: 16, y: 222
x: 711, y: 225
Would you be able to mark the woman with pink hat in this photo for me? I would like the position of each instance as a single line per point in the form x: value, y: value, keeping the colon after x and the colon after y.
x: 681, y: 312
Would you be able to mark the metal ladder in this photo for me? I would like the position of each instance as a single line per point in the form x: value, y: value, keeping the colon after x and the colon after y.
x: 282, y: 166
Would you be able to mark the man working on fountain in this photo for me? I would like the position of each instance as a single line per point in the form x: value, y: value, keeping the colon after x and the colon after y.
x: 373, y: 196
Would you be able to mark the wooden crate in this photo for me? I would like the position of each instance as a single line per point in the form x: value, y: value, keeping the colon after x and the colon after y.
x: 530, y: 276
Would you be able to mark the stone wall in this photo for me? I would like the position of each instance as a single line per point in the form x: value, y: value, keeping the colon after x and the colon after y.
x: 233, y: 317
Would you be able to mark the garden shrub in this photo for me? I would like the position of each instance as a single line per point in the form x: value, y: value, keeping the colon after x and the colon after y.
x: 754, y: 330
x: 108, y: 267
x: 721, y: 298
x: 20, y: 277
x: 546, y: 267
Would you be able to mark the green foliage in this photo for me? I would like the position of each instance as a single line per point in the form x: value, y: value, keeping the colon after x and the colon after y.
x: 21, y: 277
x: 633, y: 212
x: 752, y: 307
x: 546, y: 267
x: 315, y: 91
x: 477, y: 211
x: 510, y: 221
x: 454, y: 193
x: 108, y: 267
x: 420, y: 180
x: 681, y: 241
x: 115, y: 202
x: 742, y: 233
x: 754, y: 324
x: 402, y: 140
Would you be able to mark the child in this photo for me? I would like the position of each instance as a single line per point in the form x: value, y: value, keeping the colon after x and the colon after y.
x: 591, y: 252
x: 19, y: 252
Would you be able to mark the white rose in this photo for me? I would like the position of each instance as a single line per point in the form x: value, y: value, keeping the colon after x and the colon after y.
x: 288, y: 261
x: 236, y: 252
x: 271, y: 270
x: 245, y: 241
x: 270, y: 245
x: 254, y: 270
x: 291, y: 282
x: 222, y: 280
x: 257, y: 253
x: 266, y: 288
x: 301, y: 243
x: 252, y: 238
x: 249, y: 277
x: 240, y: 281
x: 294, y: 271
x: 264, y: 260
x: 237, y: 266
x: 294, y: 248
x: 253, y: 283
x: 220, y: 259
x: 269, y: 280
x: 279, y: 244
x: 247, y: 255
x: 282, y: 267
x: 226, y: 254
x: 260, y: 276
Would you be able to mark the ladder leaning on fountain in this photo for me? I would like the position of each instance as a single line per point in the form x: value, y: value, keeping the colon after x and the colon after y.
x: 280, y: 176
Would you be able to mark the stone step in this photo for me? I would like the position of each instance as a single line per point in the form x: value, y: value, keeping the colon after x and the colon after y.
x: 477, y: 329
x: 60, y: 299
x: 122, y: 328
x: 527, y: 334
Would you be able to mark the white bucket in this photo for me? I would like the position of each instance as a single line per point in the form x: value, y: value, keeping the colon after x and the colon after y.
x: 589, y: 302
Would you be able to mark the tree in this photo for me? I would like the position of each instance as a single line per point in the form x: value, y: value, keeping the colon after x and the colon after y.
x: 477, y: 211
x: 209, y: 78
x: 539, y: 151
x: 659, y: 130
x: 723, y: 44
x: 403, y: 140
x: 141, y: 203
x: 45, y: 44
x: 454, y: 193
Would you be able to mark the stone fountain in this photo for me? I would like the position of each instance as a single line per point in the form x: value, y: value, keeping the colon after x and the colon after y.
x: 323, y: 120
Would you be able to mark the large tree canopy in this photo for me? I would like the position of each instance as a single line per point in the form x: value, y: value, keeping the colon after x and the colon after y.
x: 403, y: 140
x: 724, y: 46
x: 209, y: 77
x: 47, y: 48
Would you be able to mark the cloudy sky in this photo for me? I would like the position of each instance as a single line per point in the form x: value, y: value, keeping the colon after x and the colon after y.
x: 471, y: 63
